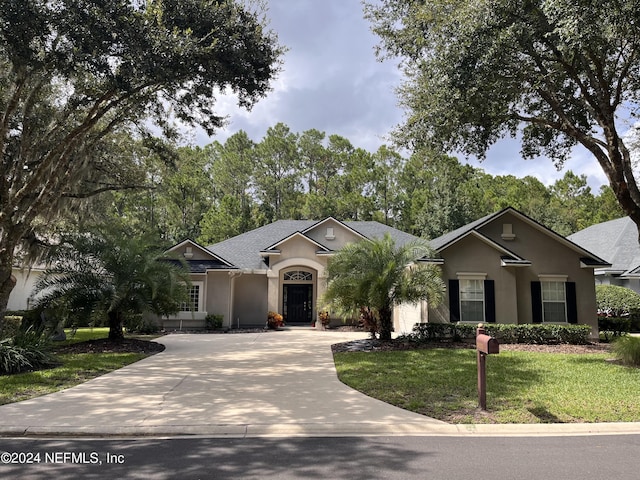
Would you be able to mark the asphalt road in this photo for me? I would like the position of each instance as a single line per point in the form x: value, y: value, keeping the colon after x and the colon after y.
x: 354, y: 458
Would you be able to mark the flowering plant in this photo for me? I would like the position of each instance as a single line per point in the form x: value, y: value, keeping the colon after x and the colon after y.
x: 324, y: 317
x: 274, y: 320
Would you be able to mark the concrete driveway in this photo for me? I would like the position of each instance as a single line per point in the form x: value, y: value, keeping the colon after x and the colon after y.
x: 241, y: 385
x: 273, y: 383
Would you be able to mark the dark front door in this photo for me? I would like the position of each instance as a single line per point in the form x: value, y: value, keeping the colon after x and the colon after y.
x: 298, y: 303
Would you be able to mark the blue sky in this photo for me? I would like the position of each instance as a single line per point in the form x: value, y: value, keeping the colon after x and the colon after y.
x: 332, y: 81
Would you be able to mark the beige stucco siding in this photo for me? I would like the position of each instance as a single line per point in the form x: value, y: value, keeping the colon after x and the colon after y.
x: 548, y: 257
x: 472, y: 255
x: 342, y: 235
x: 250, y: 300
x: 219, y: 295
x: 297, y: 253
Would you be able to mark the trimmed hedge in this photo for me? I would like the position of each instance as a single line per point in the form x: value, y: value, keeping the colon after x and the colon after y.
x: 545, y: 334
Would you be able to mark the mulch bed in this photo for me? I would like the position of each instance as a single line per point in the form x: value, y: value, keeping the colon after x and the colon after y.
x: 104, y: 345
x: 370, y: 345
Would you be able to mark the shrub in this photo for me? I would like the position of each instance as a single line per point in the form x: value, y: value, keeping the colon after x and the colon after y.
x: 615, y: 301
x: 10, y: 327
x: 627, y: 350
x: 138, y: 324
x: 505, y: 333
x: 26, y: 351
x: 611, y: 327
x: 214, y: 321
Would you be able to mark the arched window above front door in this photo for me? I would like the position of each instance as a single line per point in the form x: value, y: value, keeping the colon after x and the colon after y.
x: 298, y: 276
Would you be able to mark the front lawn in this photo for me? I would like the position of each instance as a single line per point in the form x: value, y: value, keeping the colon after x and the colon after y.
x: 522, y: 387
x: 76, y: 368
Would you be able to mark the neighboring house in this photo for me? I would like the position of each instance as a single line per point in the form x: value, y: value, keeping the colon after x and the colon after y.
x: 508, y: 268
x: 21, y: 297
x: 617, y: 242
x: 503, y: 268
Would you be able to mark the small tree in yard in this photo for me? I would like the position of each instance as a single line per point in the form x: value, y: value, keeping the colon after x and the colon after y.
x: 376, y: 275
x: 108, y: 273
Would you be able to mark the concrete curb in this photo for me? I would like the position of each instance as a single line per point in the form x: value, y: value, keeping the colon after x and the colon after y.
x: 326, y: 430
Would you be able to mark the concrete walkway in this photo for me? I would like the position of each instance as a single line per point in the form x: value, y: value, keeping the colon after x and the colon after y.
x: 266, y: 384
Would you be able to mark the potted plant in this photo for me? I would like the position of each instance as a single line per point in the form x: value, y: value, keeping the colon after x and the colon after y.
x: 324, y: 318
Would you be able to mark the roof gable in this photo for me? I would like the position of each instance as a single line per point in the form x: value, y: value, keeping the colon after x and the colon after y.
x: 244, y: 250
x: 275, y: 246
x: 448, y: 239
x: 196, y: 253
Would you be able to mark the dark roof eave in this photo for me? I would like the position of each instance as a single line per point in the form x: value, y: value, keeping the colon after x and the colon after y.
x: 589, y: 262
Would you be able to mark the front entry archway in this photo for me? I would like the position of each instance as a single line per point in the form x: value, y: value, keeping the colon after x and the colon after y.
x: 297, y: 302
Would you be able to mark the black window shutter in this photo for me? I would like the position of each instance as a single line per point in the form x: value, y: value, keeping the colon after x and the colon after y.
x: 489, y: 301
x: 454, y: 301
x: 536, y: 302
x: 572, y: 304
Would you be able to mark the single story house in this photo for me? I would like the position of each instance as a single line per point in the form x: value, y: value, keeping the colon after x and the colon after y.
x: 504, y: 268
x: 617, y: 242
x: 280, y: 267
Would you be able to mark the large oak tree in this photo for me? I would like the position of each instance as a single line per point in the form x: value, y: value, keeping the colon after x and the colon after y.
x: 557, y: 72
x: 75, y: 72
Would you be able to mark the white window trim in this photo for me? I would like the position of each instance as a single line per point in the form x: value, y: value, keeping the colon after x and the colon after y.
x: 200, y: 306
x: 471, y: 276
x: 553, y: 278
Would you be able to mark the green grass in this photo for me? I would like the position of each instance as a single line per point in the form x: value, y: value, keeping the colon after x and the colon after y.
x: 75, y: 368
x: 522, y: 387
x: 84, y: 334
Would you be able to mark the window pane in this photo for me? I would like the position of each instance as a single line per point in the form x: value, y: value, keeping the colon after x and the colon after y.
x: 194, y: 300
x: 554, y: 302
x: 471, y: 300
x: 554, y: 312
x: 553, y: 291
x: 472, y: 311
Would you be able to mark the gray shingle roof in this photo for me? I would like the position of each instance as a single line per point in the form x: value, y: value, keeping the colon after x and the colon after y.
x: 616, y: 241
x: 438, y: 243
x: 243, y: 251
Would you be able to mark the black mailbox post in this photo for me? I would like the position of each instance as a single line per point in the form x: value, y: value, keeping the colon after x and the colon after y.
x: 485, y: 345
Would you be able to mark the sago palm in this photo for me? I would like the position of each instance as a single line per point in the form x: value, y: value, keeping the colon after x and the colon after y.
x: 112, y: 274
x: 378, y: 275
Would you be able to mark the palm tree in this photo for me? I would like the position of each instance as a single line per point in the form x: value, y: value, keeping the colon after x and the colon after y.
x: 376, y: 275
x: 111, y: 273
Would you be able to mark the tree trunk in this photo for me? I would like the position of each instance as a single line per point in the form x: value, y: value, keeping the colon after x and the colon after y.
x: 386, y: 323
x: 115, y: 326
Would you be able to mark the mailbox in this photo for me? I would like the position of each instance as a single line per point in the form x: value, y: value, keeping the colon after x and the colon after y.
x: 487, y: 344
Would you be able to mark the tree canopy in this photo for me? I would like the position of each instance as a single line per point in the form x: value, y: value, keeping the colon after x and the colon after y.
x: 557, y: 72
x: 74, y: 74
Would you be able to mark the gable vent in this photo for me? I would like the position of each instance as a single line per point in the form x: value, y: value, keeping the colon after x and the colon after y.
x: 507, y: 231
